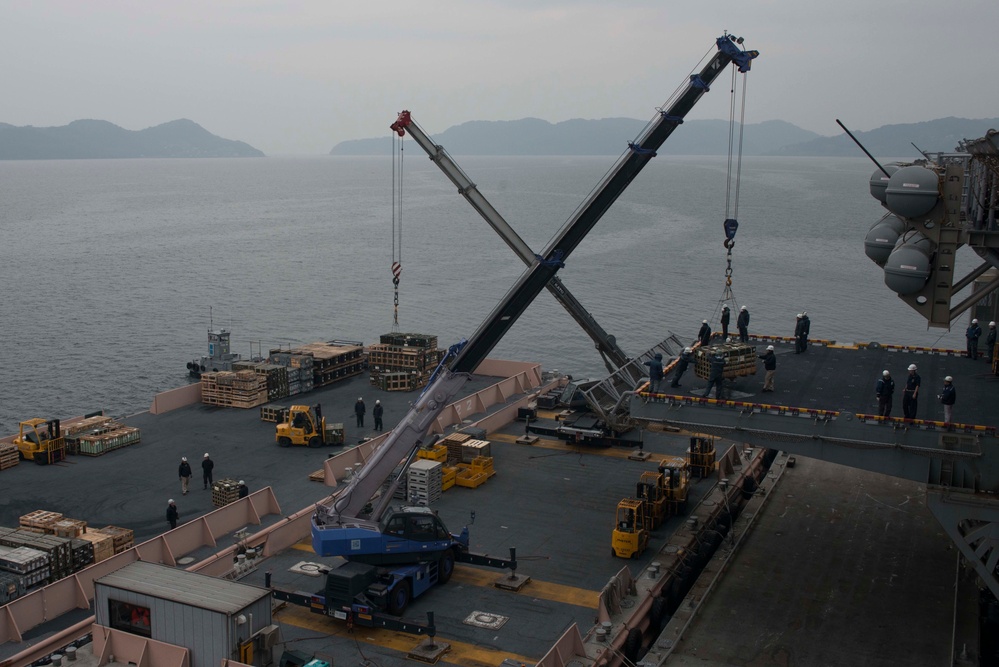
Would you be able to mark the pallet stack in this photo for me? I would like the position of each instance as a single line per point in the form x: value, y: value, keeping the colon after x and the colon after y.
x: 11, y: 587
x: 68, y: 527
x: 331, y: 362
x: 453, y: 442
x: 299, y: 370
x: 403, y: 361
x: 472, y: 449
x: 58, y: 549
x: 276, y: 414
x: 98, y: 435
x: 122, y: 539
x: 28, y: 567
x: 83, y: 553
x: 740, y: 360
x: 233, y: 389
x: 276, y: 374
x: 225, y: 491
x: 40, y: 521
x: 8, y: 456
x: 424, y: 481
x: 103, y: 545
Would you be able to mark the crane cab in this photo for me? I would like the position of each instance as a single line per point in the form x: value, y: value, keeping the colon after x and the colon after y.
x: 631, y: 529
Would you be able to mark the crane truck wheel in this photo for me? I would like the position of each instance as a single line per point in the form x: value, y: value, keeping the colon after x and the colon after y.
x: 315, y: 441
x: 445, y: 566
x: 399, y: 598
x: 284, y: 442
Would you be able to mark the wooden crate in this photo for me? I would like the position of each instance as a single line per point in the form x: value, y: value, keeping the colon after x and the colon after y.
x: 275, y: 414
x: 96, y: 445
x: 225, y: 491
x: 409, y: 340
x: 69, y: 527
x: 453, y: 443
x: 40, y: 521
x: 103, y: 544
x: 8, y: 456
x: 122, y: 538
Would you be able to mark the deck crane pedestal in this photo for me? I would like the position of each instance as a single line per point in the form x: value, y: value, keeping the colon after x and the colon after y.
x: 415, y: 536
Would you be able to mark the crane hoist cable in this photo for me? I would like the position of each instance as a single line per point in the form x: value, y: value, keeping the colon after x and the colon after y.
x: 397, y: 166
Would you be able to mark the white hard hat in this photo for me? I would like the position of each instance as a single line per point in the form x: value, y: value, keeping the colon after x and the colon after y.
x: 170, y: 502
x: 912, y: 367
x: 885, y: 373
x: 360, y: 398
x: 377, y: 401
x: 688, y: 349
x: 992, y: 324
x: 804, y: 312
x: 743, y: 308
x: 206, y: 455
x: 725, y: 306
x: 974, y: 321
x: 183, y: 458
x: 704, y: 321
x: 770, y: 348
x: 241, y: 482
x: 798, y: 316
x: 948, y: 379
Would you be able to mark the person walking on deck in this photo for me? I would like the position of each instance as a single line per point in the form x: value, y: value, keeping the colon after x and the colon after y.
x: 770, y: 366
x: 172, y: 515
x: 884, y: 390
x: 377, y: 413
x: 184, y: 471
x: 207, y: 466
x: 359, y: 410
x: 910, y: 393
x: 948, y: 396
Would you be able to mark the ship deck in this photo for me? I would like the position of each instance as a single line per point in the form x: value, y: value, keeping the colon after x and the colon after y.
x: 554, y: 502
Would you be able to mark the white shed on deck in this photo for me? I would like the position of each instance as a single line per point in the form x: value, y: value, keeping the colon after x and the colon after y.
x: 211, y: 617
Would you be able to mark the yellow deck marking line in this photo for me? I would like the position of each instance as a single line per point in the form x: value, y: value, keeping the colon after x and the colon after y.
x: 461, y: 653
x: 544, y: 590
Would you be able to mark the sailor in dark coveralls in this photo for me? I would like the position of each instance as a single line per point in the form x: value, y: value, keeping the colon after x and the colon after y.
x: 716, y: 375
x: 359, y: 411
x: 681, y: 366
x: 990, y: 341
x: 655, y: 372
x: 973, y: 333
x: 883, y: 390
x: 377, y: 413
x: 948, y: 396
x: 207, y: 465
x: 743, y: 324
x: 806, y: 325
x: 910, y: 393
x: 172, y: 514
x: 770, y: 365
x: 725, y: 319
x: 704, y: 334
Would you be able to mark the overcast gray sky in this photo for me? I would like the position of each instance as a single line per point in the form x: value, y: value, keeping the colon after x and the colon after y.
x: 299, y: 76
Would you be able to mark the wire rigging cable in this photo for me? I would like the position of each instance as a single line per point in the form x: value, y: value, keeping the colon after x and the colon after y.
x: 397, y: 166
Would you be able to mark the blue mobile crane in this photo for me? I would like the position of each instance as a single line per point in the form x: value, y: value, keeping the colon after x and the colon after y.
x: 396, y: 554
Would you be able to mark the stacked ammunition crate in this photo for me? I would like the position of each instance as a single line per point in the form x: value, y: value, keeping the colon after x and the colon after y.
x: 225, y: 491
x: 28, y: 567
x: 83, y: 553
x: 424, y: 481
x: 68, y: 527
x: 234, y: 389
x: 453, y: 443
x: 11, y: 587
x: 299, y: 370
x: 403, y: 362
x: 740, y: 360
x: 276, y: 414
x: 103, y: 545
x: 121, y: 538
x: 98, y: 435
x: 58, y: 549
x: 8, y: 456
x: 276, y: 374
x: 330, y: 362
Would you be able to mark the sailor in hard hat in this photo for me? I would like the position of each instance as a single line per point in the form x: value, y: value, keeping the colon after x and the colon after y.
x: 990, y: 342
x: 910, y: 393
x: 184, y: 471
x: 377, y: 413
x: 725, y: 319
x: 359, y: 410
x: 172, y: 515
x: 770, y: 365
x: 973, y: 333
x: 244, y: 490
x: 207, y: 465
x: 681, y: 365
x: 947, y: 396
x: 884, y: 390
x: 704, y: 334
x: 743, y: 324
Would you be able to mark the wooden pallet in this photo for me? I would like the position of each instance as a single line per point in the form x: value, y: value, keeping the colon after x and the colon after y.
x: 8, y: 456
x: 69, y: 527
x: 39, y: 520
x: 121, y: 538
x: 318, y: 476
x: 275, y: 414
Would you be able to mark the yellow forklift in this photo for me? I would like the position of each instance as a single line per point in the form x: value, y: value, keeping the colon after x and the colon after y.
x: 675, y: 471
x: 307, y: 426
x: 41, y: 441
x: 631, y: 530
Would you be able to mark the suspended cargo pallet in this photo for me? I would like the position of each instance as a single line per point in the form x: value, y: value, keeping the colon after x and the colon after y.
x: 740, y: 360
x: 409, y: 340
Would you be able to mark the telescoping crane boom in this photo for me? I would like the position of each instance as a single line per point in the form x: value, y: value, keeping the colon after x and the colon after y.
x: 613, y: 356
x: 338, y: 528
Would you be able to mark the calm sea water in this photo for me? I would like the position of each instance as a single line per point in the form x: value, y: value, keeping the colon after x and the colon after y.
x: 109, y: 268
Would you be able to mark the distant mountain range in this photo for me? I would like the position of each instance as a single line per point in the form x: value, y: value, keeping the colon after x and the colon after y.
x: 89, y: 139
x: 610, y: 136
